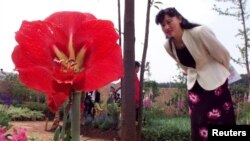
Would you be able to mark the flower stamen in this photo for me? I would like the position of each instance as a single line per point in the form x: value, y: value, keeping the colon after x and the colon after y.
x: 72, y: 63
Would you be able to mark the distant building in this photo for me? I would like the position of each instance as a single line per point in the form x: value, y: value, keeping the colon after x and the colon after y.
x: 3, y: 84
x: 2, y: 74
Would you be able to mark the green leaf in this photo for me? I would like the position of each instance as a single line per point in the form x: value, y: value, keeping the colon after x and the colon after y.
x: 57, y: 134
x: 158, y: 2
x: 156, y: 6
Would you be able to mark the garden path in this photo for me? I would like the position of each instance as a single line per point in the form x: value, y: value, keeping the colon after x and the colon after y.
x: 37, y: 129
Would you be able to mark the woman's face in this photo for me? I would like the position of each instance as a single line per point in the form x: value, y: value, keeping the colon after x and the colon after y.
x: 171, y: 26
x: 137, y: 69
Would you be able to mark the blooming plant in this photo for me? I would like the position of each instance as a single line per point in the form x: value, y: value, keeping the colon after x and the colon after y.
x: 65, y: 54
x: 17, y: 135
x: 147, y: 102
x: 67, y: 51
x: 2, y: 133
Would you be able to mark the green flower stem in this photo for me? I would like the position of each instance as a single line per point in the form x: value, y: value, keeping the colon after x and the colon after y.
x: 75, y: 120
x: 65, y: 116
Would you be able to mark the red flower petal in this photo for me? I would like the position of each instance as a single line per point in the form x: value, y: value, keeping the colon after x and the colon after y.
x: 102, y: 72
x: 32, y: 75
x: 103, y: 61
x: 55, y: 100
x: 99, y: 38
x: 36, y: 78
x: 69, y: 22
x: 20, y: 58
x: 35, y: 39
x: 61, y: 36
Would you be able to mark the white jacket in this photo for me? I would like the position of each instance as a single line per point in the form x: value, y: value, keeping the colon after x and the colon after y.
x: 211, y: 58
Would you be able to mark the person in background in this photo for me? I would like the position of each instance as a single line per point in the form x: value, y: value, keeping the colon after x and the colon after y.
x: 97, y: 104
x: 88, y: 104
x: 112, y: 94
x: 83, y: 95
x: 205, y: 62
x: 137, y: 88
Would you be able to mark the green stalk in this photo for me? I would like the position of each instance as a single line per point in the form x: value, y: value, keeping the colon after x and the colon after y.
x: 65, y: 116
x: 75, y: 120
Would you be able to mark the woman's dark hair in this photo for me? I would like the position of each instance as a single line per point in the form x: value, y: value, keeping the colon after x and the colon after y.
x: 172, y: 12
x: 137, y: 64
x: 97, y: 96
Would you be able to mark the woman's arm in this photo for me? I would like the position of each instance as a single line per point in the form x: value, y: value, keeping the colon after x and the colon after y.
x: 214, y: 46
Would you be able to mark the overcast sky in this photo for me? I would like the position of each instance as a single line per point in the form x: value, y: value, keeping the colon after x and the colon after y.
x: 163, y: 68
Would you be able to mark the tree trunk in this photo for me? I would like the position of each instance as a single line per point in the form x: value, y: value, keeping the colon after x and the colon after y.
x: 119, y: 22
x: 143, y: 69
x: 238, y: 10
x: 128, y: 132
x: 75, y: 119
x: 245, y: 41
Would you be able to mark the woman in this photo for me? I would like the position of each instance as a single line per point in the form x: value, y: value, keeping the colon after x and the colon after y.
x: 205, y: 62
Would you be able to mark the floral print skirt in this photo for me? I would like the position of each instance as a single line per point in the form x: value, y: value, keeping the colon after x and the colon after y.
x: 209, y: 107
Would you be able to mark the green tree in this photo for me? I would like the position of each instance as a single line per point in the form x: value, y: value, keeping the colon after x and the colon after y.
x: 237, y: 9
x: 147, y: 69
x: 152, y: 85
x: 150, y: 3
x: 128, y: 88
x: 21, y: 92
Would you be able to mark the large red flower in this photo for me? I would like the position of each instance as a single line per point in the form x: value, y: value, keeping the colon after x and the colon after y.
x: 67, y: 51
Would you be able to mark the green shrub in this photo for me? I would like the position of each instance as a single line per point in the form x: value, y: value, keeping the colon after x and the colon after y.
x: 158, y: 127
x: 103, y: 122
x: 113, y: 111
x: 35, y: 106
x: 4, y: 119
x: 107, y: 124
x: 154, y: 112
x: 18, y: 113
x: 244, y: 113
x: 88, y: 121
x: 167, y: 129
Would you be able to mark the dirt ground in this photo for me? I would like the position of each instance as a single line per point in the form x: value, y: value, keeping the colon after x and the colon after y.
x: 37, y: 129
